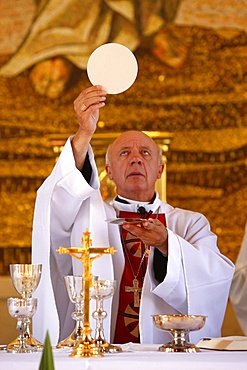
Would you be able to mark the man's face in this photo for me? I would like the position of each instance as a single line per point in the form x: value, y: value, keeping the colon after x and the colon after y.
x: 134, y: 165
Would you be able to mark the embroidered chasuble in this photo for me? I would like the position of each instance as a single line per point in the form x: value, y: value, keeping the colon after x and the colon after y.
x: 136, y: 258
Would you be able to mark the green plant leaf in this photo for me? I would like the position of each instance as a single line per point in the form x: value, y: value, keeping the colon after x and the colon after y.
x: 47, y: 362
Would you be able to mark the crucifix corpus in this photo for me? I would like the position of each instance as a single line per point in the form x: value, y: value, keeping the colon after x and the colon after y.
x: 136, y: 290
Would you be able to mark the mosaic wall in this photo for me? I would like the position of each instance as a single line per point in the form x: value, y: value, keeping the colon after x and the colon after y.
x: 195, y: 91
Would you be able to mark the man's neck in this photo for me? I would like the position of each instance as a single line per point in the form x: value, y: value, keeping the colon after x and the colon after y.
x: 124, y: 200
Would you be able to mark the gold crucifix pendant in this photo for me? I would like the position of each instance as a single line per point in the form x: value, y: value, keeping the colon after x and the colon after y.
x: 136, y: 290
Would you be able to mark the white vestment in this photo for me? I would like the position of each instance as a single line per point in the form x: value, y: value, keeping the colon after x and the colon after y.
x: 198, y: 276
x: 238, y: 292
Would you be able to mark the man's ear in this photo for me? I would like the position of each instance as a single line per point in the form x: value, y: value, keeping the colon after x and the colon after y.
x: 161, y: 169
x: 108, y: 171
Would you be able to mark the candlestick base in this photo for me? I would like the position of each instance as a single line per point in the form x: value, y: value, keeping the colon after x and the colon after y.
x: 30, y: 340
x: 71, y: 339
x: 107, y: 347
x: 86, y: 346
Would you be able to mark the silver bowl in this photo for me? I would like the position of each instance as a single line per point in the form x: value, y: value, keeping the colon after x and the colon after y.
x: 179, y: 327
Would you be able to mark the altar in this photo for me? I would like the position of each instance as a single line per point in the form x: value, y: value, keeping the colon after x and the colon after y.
x: 145, y: 357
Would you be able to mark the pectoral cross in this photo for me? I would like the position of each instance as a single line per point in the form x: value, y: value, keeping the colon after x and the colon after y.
x: 136, y: 290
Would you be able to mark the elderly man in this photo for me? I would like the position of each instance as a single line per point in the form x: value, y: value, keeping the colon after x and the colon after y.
x: 171, y: 264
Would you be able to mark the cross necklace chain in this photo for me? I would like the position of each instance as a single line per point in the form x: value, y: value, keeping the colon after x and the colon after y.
x: 135, y: 287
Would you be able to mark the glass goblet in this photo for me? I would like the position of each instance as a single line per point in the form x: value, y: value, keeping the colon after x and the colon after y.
x: 74, y: 287
x: 102, y: 289
x: 25, y: 278
x: 23, y: 310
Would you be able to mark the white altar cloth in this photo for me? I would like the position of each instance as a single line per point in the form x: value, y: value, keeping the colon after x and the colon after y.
x: 142, y: 357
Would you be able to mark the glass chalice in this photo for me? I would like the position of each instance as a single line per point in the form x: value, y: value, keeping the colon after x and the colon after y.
x: 102, y: 289
x: 25, y: 278
x: 22, y: 310
x: 74, y: 287
x: 179, y: 327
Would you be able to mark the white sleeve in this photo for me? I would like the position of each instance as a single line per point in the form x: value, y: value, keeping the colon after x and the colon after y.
x: 173, y: 288
x: 70, y: 191
x: 57, y: 203
x: 198, y: 276
x: 238, y: 292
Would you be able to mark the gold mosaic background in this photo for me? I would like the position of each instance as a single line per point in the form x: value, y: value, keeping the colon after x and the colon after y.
x: 202, y: 104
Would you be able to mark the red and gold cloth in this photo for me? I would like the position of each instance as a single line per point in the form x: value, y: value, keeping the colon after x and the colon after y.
x: 127, y: 326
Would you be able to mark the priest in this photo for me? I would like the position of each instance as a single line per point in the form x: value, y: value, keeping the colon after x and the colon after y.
x: 167, y: 263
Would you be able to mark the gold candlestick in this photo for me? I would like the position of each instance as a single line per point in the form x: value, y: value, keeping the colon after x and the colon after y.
x: 86, y: 346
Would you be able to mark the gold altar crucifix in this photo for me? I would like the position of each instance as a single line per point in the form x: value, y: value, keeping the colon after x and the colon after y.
x: 136, y: 290
x: 86, y: 346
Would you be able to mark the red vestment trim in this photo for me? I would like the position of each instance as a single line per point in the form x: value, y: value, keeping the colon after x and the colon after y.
x: 127, y: 326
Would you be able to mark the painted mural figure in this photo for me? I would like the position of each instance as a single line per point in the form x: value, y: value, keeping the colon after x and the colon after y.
x: 63, y: 34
